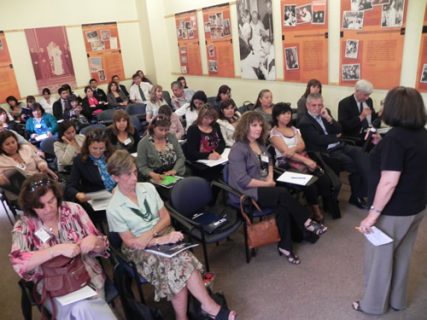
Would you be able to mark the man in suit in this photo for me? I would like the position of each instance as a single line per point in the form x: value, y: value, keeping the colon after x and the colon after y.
x: 356, y: 113
x: 60, y: 104
x: 98, y: 93
x: 322, y: 133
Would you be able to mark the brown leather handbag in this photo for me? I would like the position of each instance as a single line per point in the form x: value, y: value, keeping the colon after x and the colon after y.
x: 261, y: 233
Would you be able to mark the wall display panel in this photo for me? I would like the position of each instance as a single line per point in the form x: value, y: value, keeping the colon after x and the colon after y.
x: 305, y: 40
x: 219, y: 44
x: 8, y: 84
x: 372, y: 35
x: 103, y: 51
x: 50, y: 56
x: 188, y: 43
x: 422, y: 63
x: 256, y: 41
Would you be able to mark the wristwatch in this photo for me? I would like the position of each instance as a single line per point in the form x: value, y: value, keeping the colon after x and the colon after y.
x: 372, y: 208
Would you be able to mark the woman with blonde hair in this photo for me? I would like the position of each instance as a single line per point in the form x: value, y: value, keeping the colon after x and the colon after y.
x: 155, y: 101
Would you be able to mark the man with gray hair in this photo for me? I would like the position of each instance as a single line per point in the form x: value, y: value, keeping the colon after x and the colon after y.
x: 356, y: 113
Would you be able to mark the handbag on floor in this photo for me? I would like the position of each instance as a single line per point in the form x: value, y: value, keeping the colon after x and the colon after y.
x: 259, y: 233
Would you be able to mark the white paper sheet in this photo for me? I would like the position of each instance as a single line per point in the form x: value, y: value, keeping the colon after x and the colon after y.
x: 213, y: 163
x: 377, y: 237
x: 83, y: 293
x: 99, y: 200
x: 295, y: 178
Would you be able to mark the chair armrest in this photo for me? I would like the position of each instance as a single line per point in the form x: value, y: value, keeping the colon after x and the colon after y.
x: 184, y: 221
x: 222, y: 185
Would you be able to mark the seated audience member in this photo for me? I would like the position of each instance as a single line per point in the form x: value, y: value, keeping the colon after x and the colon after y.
x: 98, y: 93
x: 322, y: 133
x: 313, y: 86
x: 115, y: 97
x: 154, y: 102
x: 73, y: 112
x: 143, y: 77
x: 138, y: 214
x: 176, y: 127
x: 183, y: 81
x: 159, y: 152
x: 91, y: 106
x: 122, y: 88
x: 47, y: 101
x: 68, y: 146
x: 68, y: 232
x: 22, y: 156
x: 205, y: 141
x: 264, y: 105
x: 30, y: 100
x: 41, y: 125
x: 251, y: 172
x: 180, y: 95
x: 290, y: 153
x: 356, y: 112
x: 228, y: 119
x: 139, y: 91
x: 6, y: 121
x: 61, y: 104
x: 122, y: 133
x: 190, y: 111
x: 19, y: 112
x: 224, y: 93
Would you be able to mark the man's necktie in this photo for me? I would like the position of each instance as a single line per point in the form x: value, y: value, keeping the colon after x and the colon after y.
x: 141, y: 93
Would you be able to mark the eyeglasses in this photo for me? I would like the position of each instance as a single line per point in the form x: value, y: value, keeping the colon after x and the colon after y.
x: 43, y: 182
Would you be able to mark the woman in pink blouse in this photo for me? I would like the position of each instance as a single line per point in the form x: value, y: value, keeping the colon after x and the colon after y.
x: 50, y: 228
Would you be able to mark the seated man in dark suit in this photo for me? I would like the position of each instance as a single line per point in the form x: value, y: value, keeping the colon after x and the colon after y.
x: 61, y: 104
x: 98, y: 93
x: 322, y: 133
x: 356, y: 113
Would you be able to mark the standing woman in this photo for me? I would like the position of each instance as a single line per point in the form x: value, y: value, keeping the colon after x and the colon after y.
x: 264, y: 105
x: 68, y: 146
x: 396, y: 192
x: 155, y: 101
x: 251, y: 172
x: 122, y: 133
x: 313, y: 86
x: 228, y: 119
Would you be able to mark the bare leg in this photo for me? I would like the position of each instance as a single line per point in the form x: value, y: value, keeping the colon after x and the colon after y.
x: 179, y: 303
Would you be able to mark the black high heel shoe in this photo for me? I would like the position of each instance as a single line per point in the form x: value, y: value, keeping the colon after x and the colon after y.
x: 292, y: 258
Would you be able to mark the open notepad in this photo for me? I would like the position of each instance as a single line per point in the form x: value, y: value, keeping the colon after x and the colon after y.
x: 213, y: 163
x: 377, y: 237
x: 170, y: 250
x: 83, y: 293
x: 99, y: 200
x: 168, y: 181
x: 295, y: 178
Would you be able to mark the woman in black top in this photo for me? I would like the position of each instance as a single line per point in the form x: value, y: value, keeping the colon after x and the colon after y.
x: 122, y: 134
x: 397, y: 190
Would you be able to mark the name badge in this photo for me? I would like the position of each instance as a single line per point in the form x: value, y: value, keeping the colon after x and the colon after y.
x: 264, y: 158
x: 42, y: 235
x: 38, y: 126
x: 127, y: 141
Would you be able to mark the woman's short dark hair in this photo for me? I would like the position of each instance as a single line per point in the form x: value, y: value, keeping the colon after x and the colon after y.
x: 278, y: 109
x: 222, y: 89
x: 45, y: 91
x: 30, y: 99
x: 404, y: 107
x: 119, y: 115
x: 5, y: 134
x: 37, y: 106
x: 158, y: 121
x: 312, y: 83
x: 225, y: 104
x: 87, y: 88
x: 112, y: 83
x: 198, y: 95
x: 36, y: 187
x: 12, y: 98
x: 165, y: 110
x: 206, y: 111
x: 243, y: 126
x: 64, y: 126
x: 96, y: 135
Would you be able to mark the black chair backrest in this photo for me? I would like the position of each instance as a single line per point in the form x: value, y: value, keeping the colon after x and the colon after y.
x: 115, y: 240
x: 136, y: 123
x: 190, y: 195
x: 136, y: 109
x: 47, y: 146
x: 212, y: 101
x: 106, y: 116
x: 85, y: 130
x: 167, y: 97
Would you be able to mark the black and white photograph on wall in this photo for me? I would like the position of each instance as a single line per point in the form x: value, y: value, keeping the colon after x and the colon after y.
x: 105, y: 35
x: 289, y: 16
x: 213, y: 67
x: 304, y: 14
x: 207, y: 27
x: 101, y: 75
x: 352, y: 20
x: 256, y: 39
x: 226, y: 27
x: 350, y: 72
x: 190, y: 34
x: 392, y: 14
x: 351, y: 49
x: 318, y: 17
x: 361, y: 5
x: 380, y: 2
x: 424, y: 74
x: 291, y: 55
x: 92, y: 36
x: 211, y: 51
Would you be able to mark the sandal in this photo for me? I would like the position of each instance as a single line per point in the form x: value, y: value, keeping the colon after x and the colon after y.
x: 316, y: 228
x: 292, y: 258
x: 223, y: 314
x: 356, y: 306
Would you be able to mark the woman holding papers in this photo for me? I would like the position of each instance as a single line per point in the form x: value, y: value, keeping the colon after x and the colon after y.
x: 138, y: 214
x: 41, y: 125
x: 50, y: 228
x: 290, y: 153
x: 251, y: 172
x: 397, y: 189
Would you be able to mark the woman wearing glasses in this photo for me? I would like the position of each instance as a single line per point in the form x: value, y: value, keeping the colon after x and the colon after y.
x: 138, y: 214
x: 49, y: 228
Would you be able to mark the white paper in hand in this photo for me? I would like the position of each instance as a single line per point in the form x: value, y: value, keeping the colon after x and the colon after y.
x: 295, y: 178
x: 83, y: 293
x: 377, y: 237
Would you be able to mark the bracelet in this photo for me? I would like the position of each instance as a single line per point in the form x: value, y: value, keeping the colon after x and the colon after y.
x: 372, y: 208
